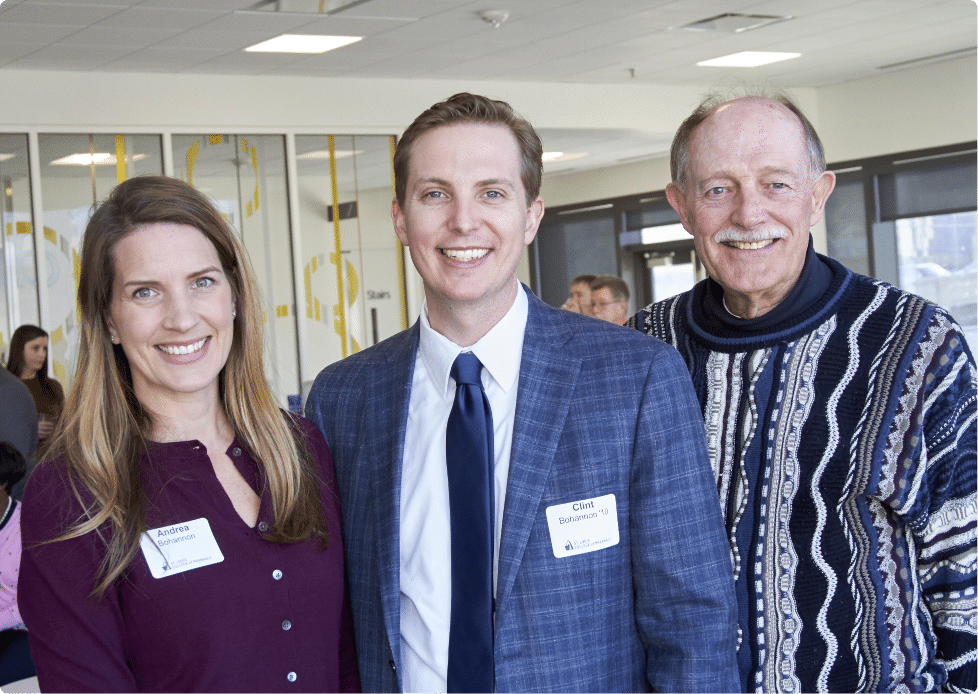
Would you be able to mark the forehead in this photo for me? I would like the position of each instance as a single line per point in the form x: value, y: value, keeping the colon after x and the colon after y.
x: 164, y: 246
x: 465, y: 149
x: 749, y: 133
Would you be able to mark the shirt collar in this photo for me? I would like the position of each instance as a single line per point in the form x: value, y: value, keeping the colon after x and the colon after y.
x: 499, y: 350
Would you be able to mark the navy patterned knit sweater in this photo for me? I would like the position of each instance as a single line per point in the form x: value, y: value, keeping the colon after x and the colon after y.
x: 842, y: 436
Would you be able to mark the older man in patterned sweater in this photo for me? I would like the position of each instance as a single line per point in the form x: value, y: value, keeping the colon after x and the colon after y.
x: 840, y: 417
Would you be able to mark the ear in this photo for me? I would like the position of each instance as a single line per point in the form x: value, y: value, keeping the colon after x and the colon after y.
x: 110, y: 325
x: 677, y: 200
x: 823, y: 187
x: 534, y: 215
x: 400, y: 224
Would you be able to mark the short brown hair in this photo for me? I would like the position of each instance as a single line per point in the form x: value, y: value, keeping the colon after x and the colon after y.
x: 584, y: 279
x: 472, y: 108
x: 679, y: 160
x: 619, y: 290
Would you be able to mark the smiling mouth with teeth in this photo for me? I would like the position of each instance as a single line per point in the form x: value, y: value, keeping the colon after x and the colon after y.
x: 183, y: 349
x: 465, y: 255
x: 749, y: 245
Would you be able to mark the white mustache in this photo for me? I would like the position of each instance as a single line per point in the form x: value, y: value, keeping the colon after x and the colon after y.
x: 748, y: 236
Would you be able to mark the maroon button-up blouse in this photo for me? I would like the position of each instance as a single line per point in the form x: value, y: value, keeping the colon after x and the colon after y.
x: 269, y: 617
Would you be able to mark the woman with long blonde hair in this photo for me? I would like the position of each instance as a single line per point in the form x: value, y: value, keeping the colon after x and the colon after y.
x: 184, y: 534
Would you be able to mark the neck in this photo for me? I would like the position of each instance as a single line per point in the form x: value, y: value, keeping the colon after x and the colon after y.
x: 200, y: 418
x: 465, y: 323
x: 27, y: 373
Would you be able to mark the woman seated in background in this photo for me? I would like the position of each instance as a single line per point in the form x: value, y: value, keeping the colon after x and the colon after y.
x: 185, y: 536
x: 29, y: 361
x: 15, y: 651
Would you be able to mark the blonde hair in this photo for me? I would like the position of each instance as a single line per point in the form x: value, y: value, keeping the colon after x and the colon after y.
x: 102, y: 433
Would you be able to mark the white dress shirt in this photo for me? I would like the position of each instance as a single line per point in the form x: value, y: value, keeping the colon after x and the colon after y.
x: 425, y: 535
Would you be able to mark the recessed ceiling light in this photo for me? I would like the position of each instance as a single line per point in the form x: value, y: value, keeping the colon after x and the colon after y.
x: 98, y: 158
x: 302, y: 43
x: 549, y: 157
x: 324, y: 154
x: 5, y: 156
x: 748, y: 59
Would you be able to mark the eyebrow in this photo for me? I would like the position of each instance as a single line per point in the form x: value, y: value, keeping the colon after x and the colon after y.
x: 485, y: 182
x: 192, y: 275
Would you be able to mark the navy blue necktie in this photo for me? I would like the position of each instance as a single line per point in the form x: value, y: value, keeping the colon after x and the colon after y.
x: 470, y: 465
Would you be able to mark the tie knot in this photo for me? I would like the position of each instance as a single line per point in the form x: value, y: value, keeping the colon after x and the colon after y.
x: 467, y: 369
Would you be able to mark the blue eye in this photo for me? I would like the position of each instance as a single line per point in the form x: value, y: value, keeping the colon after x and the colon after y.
x: 201, y: 282
x: 717, y: 190
x: 143, y: 293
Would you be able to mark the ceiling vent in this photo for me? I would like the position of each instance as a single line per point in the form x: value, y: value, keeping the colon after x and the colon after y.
x: 302, y: 6
x: 929, y: 59
x: 734, y: 23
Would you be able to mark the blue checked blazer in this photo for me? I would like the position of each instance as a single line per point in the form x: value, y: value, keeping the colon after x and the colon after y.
x: 600, y: 410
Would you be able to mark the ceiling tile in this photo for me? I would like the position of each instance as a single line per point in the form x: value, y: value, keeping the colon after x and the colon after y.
x: 132, y: 37
x: 62, y: 14
x: 62, y: 57
x: 158, y: 18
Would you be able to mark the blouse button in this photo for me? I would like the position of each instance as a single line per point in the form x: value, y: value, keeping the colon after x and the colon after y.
x: 286, y: 625
x: 263, y: 526
x: 277, y: 575
x: 235, y: 451
x: 291, y: 677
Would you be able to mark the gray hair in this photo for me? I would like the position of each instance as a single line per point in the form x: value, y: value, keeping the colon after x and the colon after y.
x: 679, y: 159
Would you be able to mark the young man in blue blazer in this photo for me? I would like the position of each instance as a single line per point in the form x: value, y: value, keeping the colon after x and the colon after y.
x: 607, y: 568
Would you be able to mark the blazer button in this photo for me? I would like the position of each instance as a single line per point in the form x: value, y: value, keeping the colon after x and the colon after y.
x: 393, y: 667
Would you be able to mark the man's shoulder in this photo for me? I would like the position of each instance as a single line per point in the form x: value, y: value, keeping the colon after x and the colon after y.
x: 571, y: 333
x: 14, y: 387
x: 382, y: 355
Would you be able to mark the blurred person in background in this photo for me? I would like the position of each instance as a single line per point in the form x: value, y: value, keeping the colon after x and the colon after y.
x: 18, y: 420
x: 29, y: 361
x: 15, y: 651
x: 579, y: 300
x: 609, y: 299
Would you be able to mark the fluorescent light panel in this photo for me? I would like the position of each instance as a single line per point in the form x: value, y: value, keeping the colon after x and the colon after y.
x: 302, y: 43
x: 4, y: 156
x: 98, y: 158
x: 324, y: 154
x: 549, y: 157
x: 748, y: 59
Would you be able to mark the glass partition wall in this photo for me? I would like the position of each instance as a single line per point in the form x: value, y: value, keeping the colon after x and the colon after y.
x: 332, y: 283
x: 18, y: 272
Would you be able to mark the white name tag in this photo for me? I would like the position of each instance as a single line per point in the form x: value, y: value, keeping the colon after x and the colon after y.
x: 583, y: 526
x: 177, y: 548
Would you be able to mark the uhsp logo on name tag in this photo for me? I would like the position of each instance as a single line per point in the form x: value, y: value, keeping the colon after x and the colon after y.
x: 583, y: 526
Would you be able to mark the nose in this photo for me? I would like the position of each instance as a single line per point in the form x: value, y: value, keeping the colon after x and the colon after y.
x: 180, y: 314
x: 464, y: 215
x: 749, y: 208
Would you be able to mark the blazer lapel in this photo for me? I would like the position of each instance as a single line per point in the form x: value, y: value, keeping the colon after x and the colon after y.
x: 388, y: 409
x: 548, y: 374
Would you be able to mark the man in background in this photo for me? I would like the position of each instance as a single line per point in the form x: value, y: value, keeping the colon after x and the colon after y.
x: 579, y: 300
x: 609, y: 299
x: 840, y: 419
